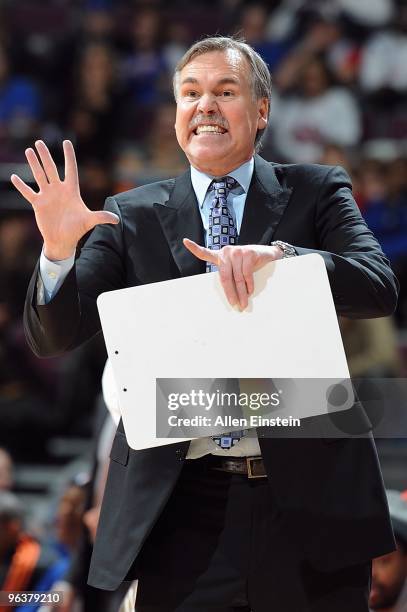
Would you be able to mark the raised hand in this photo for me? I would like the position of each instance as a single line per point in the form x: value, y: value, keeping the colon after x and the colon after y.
x: 61, y: 214
x: 236, y: 265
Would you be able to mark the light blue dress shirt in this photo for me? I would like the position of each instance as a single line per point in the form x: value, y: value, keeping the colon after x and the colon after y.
x: 53, y: 273
x: 236, y: 198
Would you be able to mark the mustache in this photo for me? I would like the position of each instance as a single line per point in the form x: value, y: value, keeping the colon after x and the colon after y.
x: 208, y: 120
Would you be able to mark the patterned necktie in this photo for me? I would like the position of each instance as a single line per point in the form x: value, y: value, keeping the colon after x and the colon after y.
x: 222, y: 228
x: 221, y: 232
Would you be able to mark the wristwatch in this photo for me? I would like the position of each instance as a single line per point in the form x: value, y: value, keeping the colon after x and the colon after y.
x: 288, y: 249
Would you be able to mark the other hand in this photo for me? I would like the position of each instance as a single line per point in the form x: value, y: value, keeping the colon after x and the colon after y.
x: 61, y: 215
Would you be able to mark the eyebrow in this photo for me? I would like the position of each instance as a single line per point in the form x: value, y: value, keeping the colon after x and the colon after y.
x: 224, y: 81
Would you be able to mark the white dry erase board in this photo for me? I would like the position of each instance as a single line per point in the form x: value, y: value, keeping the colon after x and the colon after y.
x: 185, y: 328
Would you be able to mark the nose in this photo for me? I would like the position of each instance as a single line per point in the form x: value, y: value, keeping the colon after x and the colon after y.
x: 207, y: 104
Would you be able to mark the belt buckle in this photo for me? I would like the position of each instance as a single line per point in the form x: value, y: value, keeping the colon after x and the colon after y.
x: 249, y: 463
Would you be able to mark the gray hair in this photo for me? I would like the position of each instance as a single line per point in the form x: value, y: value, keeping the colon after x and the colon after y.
x: 259, y: 73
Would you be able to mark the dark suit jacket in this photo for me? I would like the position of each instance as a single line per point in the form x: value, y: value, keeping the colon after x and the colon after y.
x: 329, y: 490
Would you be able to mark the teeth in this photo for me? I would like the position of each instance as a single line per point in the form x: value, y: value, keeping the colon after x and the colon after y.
x: 210, y: 128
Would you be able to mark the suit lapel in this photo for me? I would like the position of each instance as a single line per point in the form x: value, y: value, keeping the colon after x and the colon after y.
x: 265, y: 204
x: 180, y: 218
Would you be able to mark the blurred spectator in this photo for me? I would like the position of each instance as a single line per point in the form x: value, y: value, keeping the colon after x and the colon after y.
x: 384, y: 187
x: 323, y: 35
x: 19, y: 246
x: 23, y: 560
x: 19, y: 108
x: 97, y: 21
x: 26, y: 416
x: 319, y: 114
x: 384, y: 57
x: 144, y: 73
x: 177, y: 42
x: 68, y: 522
x: 144, y: 68
x: 253, y: 25
x: 96, y: 182
x: 333, y: 155
x: 89, y: 23
x: 383, y: 199
x: 318, y: 39
x: 371, y: 347
x: 68, y: 518
x: 73, y: 582
x: 91, y: 108
x: 290, y: 14
x: 64, y: 543
x: 160, y: 156
x: 383, y: 81
x: 367, y: 13
x: 6, y: 470
x: 371, y: 184
x: 78, y: 387
x: 389, y: 573
x: 25, y: 390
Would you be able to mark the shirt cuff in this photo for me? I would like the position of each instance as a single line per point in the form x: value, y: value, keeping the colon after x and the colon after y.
x: 51, y: 276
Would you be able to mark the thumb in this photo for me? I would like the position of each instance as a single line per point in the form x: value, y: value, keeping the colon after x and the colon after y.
x: 104, y: 216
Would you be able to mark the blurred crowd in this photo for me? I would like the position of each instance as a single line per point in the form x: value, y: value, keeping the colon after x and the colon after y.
x: 58, y: 561
x: 100, y: 73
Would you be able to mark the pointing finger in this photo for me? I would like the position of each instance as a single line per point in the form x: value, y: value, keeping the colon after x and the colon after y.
x: 201, y: 252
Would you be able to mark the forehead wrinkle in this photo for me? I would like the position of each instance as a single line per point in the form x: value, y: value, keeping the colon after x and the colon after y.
x: 237, y: 62
x: 189, y: 79
x: 227, y: 80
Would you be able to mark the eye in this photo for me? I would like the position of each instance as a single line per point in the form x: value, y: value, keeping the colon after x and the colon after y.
x: 227, y: 93
x: 191, y: 94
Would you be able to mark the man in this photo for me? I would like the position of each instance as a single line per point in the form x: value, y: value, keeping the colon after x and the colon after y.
x: 190, y: 522
x: 389, y: 572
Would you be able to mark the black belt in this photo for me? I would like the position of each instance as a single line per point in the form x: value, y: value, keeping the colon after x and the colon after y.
x: 252, y: 467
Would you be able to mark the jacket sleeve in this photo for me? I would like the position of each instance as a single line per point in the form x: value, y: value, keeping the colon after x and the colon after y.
x: 71, y: 317
x: 362, y: 282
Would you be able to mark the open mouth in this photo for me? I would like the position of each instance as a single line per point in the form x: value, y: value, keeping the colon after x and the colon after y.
x: 209, y: 129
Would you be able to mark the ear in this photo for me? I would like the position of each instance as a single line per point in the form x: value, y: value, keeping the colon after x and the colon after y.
x: 263, y: 109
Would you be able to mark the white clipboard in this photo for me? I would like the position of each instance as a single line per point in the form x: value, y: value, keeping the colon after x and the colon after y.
x: 172, y: 330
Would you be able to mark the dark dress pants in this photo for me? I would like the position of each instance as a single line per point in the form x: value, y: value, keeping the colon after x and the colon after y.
x: 221, y: 545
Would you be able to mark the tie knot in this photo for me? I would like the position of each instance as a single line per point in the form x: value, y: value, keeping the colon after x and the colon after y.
x: 223, y: 185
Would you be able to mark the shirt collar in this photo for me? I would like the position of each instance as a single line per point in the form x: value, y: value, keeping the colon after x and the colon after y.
x: 201, y: 181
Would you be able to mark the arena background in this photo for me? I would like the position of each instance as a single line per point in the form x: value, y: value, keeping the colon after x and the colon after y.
x: 100, y: 73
